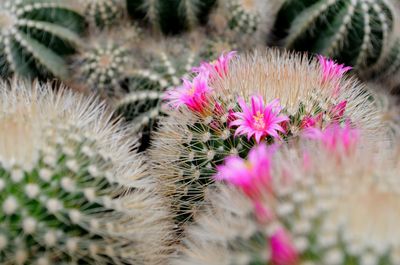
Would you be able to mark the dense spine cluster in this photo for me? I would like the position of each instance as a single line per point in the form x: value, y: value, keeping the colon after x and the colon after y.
x: 34, y: 36
x: 355, y: 32
x: 72, y: 189
x: 103, y: 13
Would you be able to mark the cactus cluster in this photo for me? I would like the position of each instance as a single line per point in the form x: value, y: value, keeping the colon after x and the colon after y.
x: 72, y: 189
x: 196, y: 138
x: 315, y: 211
x: 355, y: 32
x: 35, y: 35
x: 172, y: 16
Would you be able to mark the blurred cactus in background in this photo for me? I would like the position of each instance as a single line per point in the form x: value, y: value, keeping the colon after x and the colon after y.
x: 172, y: 16
x: 72, y: 189
x: 35, y: 35
x: 355, y: 32
x: 103, y: 13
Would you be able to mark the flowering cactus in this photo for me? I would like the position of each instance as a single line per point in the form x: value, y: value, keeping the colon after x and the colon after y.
x: 72, y: 189
x: 211, y: 117
x: 301, y: 207
x: 355, y: 32
x: 35, y: 35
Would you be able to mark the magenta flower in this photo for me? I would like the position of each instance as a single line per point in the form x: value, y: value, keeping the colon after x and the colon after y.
x: 219, y: 67
x: 252, y: 175
x: 310, y: 121
x: 194, y: 94
x: 332, y: 70
x: 337, y: 111
x: 335, y: 137
x: 259, y: 120
x: 283, y: 251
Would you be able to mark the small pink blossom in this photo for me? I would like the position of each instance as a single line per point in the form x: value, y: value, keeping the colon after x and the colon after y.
x: 252, y: 175
x: 283, y: 251
x: 332, y: 71
x: 310, y: 121
x: 335, y: 137
x: 219, y: 67
x: 259, y: 120
x: 337, y: 111
x: 194, y: 94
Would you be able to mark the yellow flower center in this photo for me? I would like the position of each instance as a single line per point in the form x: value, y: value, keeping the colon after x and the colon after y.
x: 259, y: 123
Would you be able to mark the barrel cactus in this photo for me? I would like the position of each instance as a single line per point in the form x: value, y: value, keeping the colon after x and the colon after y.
x: 72, y: 189
x: 248, y: 16
x: 310, y: 209
x: 103, y: 13
x: 35, y: 35
x: 279, y: 95
x: 171, y: 16
x: 355, y: 32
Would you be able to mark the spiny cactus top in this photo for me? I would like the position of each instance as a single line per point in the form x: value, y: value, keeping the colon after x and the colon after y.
x: 229, y: 107
x: 72, y: 189
x: 312, y: 207
x: 355, y: 32
x: 34, y: 34
x: 172, y: 16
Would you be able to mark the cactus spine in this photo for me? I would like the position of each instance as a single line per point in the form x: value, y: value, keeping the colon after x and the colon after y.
x: 355, y: 32
x: 34, y: 35
x: 103, y: 13
x: 72, y: 189
x: 171, y: 16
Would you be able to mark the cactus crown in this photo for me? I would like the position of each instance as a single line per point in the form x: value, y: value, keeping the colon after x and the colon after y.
x: 71, y: 185
x: 35, y: 34
x: 355, y: 32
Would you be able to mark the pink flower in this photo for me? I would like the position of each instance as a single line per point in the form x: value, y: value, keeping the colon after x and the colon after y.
x: 335, y: 137
x: 194, y: 94
x: 310, y: 121
x: 283, y: 251
x: 337, y: 111
x: 252, y: 175
x: 219, y: 67
x: 259, y: 120
x: 332, y: 70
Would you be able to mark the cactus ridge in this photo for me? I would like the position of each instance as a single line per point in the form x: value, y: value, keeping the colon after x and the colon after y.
x: 355, y: 32
x: 34, y: 35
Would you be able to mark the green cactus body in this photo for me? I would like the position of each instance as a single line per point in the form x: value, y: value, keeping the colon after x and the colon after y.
x: 103, y: 13
x: 172, y: 16
x: 355, y: 32
x: 335, y: 211
x: 241, y: 18
x: 69, y: 194
x: 189, y: 146
x: 34, y: 36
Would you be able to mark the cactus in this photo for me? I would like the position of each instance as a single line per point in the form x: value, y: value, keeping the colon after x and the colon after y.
x: 194, y: 140
x: 72, y: 189
x: 325, y: 211
x: 103, y: 63
x: 34, y: 36
x: 173, y: 16
x: 104, y: 13
x: 355, y: 32
x: 248, y: 16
